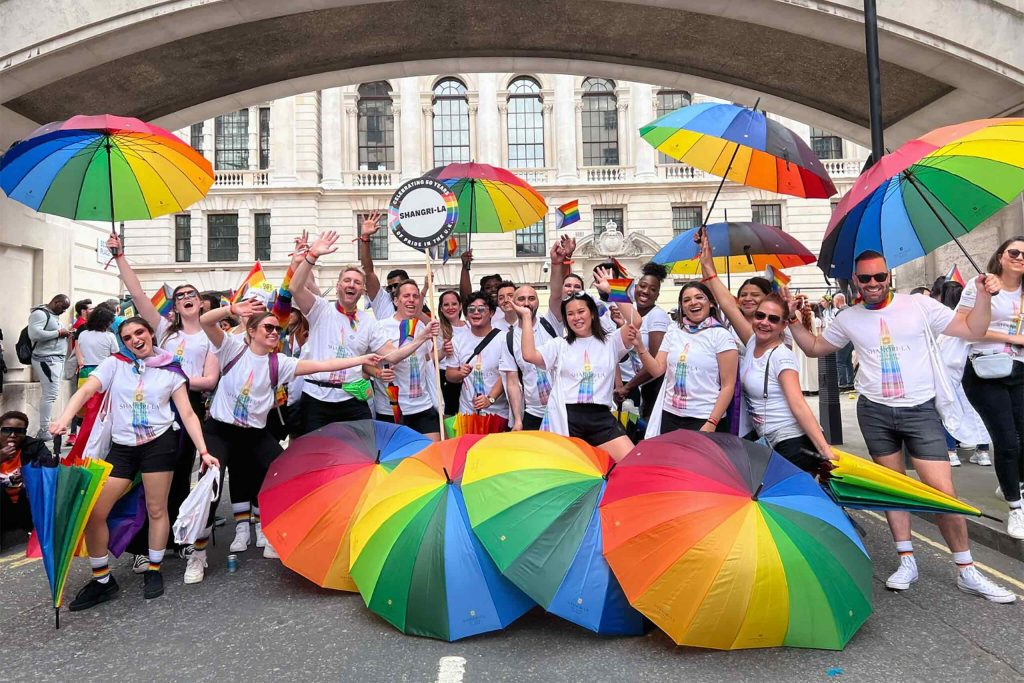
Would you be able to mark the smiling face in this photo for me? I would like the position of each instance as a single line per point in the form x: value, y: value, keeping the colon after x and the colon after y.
x: 409, y: 303
x: 872, y: 291
x: 579, y: 318
x: 506, y: 295
x: 138, y: 339
x: 350, y: 288
x: 1009, y: 262
x: 526, y: 296
x: 748, y: 299
x: 392, y: 285
x: 187, y: 303
x: 572, y: 284
x: 647, y: 290
x: 478, y: 313
x: 264, y: 332
x: 451, y: 307
x: 769, y: 321
x: 694, y: 304
x: 489, y: 286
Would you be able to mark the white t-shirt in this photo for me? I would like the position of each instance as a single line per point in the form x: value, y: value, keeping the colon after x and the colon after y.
x: 413, y: 376
x: 895, y: 367
x: 656, y: 320
x: 332, y: 335
x: 140, y: 399
x: 498, y: 321
x: 587, y: 372
x: 771, y: 416
x: 382, y: 305
x: 96, y: 346
x: 1006, y: 315
x: 536, y: 384
x: 692, y: 378
x: 244, y: 396
x: 190, y: 350
x: 485, y: 372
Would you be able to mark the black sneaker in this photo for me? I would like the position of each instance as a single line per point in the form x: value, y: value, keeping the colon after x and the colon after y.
x: 93, y: 593
x: 152, y: 584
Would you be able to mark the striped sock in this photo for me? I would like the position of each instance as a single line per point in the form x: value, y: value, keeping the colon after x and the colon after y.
x: 155, y: 558
x: 242, y: 513
x: 963, y: 559
x: 255, y: 514
x: 100, y: 569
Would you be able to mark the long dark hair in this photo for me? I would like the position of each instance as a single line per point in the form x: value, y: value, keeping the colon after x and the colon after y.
x: 595, y: 318
x: 994, y: 266
x: 949, y: 293
x: 759, y: 282
x: 175, y: 327
x: 695, y: 284
x: 100, y: 319
x: 446, y: 326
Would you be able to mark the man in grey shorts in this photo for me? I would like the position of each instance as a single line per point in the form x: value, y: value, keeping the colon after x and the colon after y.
x: 896, y: 408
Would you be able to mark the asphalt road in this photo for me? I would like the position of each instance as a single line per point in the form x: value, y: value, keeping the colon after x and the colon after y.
x: 265, y: 623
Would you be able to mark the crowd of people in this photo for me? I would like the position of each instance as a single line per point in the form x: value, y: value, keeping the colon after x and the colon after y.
x: 230, y: 384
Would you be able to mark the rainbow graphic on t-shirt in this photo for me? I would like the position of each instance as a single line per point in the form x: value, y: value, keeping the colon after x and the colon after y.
x: 179, y: 353
x: 415, y: 377
x: 1015, y: 326
x: 241, y: 411
x: 586, y: 390
x: 477, y: 377
x: 677, y: 396
x: 140, y: 415
x: 543, y: 386
x: 889, y: 359
x: 338, y: 376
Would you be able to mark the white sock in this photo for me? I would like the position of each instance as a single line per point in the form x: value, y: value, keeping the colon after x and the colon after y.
x: 905, y: 547
x: 100, y: 568
x: 1014, y: 504
x: 963, y: 559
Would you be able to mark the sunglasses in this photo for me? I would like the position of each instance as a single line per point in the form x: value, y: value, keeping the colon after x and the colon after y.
x: 14, y: 430
x: 877, y: 277
x: 181, y: 296
x: 1015, y: 254
x: 574, y: 295
x: 770, y: 317
x: 477, y: 309
x: 271, y: 329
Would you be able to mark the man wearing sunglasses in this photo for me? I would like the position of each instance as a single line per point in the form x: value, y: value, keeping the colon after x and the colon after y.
x: 896, y: 408
x: 17, y: 449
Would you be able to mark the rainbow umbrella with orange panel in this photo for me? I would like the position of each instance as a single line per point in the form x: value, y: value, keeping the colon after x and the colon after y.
x: 316, y: 487
x: 532, y: 498
x: 416, y: 560
x: 724, y: 544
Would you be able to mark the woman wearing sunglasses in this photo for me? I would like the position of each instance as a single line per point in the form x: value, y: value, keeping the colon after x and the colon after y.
x: 253, y: 376
x: 140, y: 392
x: 770, y: 376
x: 999, y: 396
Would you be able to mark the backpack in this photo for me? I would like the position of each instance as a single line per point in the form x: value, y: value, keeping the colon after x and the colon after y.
x: 24, y: 346
x: 509, y: 342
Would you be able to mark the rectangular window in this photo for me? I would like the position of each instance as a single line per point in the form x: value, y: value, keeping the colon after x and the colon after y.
x: 231, y: 141
x: 262, y: 221
x: 379, y: 242
x: 602, y: 216
x: 686, y: 218
x: 769, y: 214
x: 376, y: 123
x: 600, y: 131
x: 196, y: 136
x: 264, y: 138
x: 530, y: 241
x: 826, y: 145
x: 222, y: 244
x: 183, y: 238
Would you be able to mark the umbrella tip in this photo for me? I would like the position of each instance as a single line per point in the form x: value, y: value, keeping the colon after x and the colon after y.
x: 446, y: 477
x: 606, y: 474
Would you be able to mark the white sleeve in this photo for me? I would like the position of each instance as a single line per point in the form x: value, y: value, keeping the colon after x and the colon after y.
x: 783, y: 359
x: 939, y: 316
x: 286, y: 368
x: 376, y: 338
x: 112, y: 345
x: 508, y: 361
x: 105, y: 371
x: 723, y: 341
x: 836, y: 334
x: 969, y: 296
x: 659, y: 320
x: 230, y: 347
x: 549, y: 351
x: 618, y: 344
x: 317, y: 310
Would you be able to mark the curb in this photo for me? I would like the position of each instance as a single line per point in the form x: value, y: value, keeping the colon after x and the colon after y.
x: 985, y: 532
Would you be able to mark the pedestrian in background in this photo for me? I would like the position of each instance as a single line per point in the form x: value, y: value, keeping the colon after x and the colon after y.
x: 49, y: 349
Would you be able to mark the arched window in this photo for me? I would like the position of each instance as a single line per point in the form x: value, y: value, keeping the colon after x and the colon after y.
x: 376, y: 122
x: 525, y: 124
x: 600, y: 123
x: 451, y: 122
x: 668, y: 101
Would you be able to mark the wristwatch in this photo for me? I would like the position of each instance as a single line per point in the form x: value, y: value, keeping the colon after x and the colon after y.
x: 491, y: 399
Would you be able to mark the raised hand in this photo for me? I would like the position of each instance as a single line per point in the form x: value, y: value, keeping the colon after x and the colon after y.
x: 301, y: 248
x: 431, y: 330
x: 467, y: 258
x: 114, y: 243
x: 247, y: 308
x: 707, y: 258
x: 371, y: 224
x: 568, y: 246
x: 601, y: 277
x: 324, y: 244
x: 631, y: 335
x: 524, y: 312
x: 371, y: 359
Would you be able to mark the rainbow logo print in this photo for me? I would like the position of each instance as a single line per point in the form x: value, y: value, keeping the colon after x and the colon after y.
x: 677, y: 396
x: 543, y: 386
x: 241, y: 411
x: 338, y: 376
x: 478, y: 378
x: 140, y: 415
x: 586, y: 390
x: 179, y: 352
x: 415, y: 377
x: 889, y: 359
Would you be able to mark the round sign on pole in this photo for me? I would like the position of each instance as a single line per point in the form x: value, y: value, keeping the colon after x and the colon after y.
x: 423, y: 213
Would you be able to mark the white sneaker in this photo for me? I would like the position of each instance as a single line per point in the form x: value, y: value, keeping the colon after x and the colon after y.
x: 195, y: 569
x: 261, y: 540
x: 970, y: 580
x: 141, y: 564
x: 954, y: 459
x: 981, y: 458
x: 901, y: 579
x: 1015, y: 523
x: 241, y: 542
x: 270, y: 553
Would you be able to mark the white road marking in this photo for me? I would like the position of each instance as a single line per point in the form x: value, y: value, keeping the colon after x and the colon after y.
x: 451, y: 669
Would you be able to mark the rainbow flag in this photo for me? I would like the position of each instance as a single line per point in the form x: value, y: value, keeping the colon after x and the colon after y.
x: 163, y: 300
x: 622, y: 290
x: 255, y: 279
x: 282, y: 307
x: 954, y: 275
x: 776, y: 277
x: 568, y: 214
x: 406, y: 330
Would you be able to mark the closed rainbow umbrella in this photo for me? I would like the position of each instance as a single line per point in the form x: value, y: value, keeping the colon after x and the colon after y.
x: 724, y: 544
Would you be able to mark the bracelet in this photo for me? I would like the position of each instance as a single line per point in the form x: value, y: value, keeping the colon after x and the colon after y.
x: 306, y: 259
x: 364, y: 239
x: 712, y: 421
x: 709, y: 278
x: 231, y: 309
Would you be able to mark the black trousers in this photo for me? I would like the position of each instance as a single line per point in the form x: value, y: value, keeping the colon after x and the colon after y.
x: 1000, y: 403
x: 246, y: 452
x: 671, y: 422
x: 316, y: 413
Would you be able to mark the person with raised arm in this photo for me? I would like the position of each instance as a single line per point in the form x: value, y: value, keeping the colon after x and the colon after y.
x: 475, y: 358
x: 452, y: 324
x: 528, y: 387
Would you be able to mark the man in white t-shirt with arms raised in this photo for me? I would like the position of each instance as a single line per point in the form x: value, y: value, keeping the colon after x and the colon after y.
x: 896, y: 408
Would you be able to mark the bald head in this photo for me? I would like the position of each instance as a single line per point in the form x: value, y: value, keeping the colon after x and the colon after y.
x: 527, y: 296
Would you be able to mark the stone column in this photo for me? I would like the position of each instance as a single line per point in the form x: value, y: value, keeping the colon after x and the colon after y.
x: 411, y: 157
x: 427, y: 126
x: 330, y: 135
x: 564, y: 129
x: 489, y: 125
x: 549, y: 135
x: 643, y: 110
x: 254, y: 138
x: 282, y: 142
x: 503, y: 137
x: 625, y: 145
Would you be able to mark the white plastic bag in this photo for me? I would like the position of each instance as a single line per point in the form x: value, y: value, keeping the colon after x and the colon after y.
x: 195, y: 508
x: 98, y: 445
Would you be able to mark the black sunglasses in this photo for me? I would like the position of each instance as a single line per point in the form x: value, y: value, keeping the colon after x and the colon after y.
x: 1014, y: 253
x: 271, y: 329
x: 877, y: 277
x: 574, y: 295
x: 181, y: 296
x: 770, y: 317
x: 13, y: 430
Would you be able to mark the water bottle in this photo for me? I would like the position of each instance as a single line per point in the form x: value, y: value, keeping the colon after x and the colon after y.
x: 232, y: 564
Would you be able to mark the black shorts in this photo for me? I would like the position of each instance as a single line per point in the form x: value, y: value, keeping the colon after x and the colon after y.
x: 315, y: 413
x: 887, y: 429
x: 800, y: 451
x: 158, y: 455
x: 670, y: 422
x: 531, y: 423
x: 425, y: 422
x: 593, y: 423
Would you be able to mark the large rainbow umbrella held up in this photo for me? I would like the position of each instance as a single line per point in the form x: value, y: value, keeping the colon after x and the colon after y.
x: 737, y: 248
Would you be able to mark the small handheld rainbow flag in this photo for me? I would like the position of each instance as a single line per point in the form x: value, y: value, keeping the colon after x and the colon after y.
x: 255, y: 279
x: 406, y: 330
x: 776, y: 277
x: 621, y: 290
x: 163, y: 300
x: 568, y: 214
x: 282, y: 308
x: 954, y: 275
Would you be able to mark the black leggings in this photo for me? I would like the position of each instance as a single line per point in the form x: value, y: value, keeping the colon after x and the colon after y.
x: 1000, y: 403
x: 247, y: 452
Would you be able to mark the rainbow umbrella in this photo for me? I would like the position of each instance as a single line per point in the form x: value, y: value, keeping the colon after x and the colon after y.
x: 416, y: 560
x: 491, y: 199
x: 861, y: 484
x: 315, y: 488
x: 930, y: 191
x: 532, y: 498
x: 104, y: 168
x: 724, y: 544
x: 61, y: 499
x: 463, y: 424
x: 737, y: 248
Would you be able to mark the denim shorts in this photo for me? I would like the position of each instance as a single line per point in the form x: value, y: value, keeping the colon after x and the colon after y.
x: 887, y: 429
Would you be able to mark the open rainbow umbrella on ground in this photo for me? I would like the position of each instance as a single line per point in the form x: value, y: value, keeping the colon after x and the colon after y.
x: 314, y: 490
x: 724, y: 544
x: 532, y: 498
x: 416, y: 560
